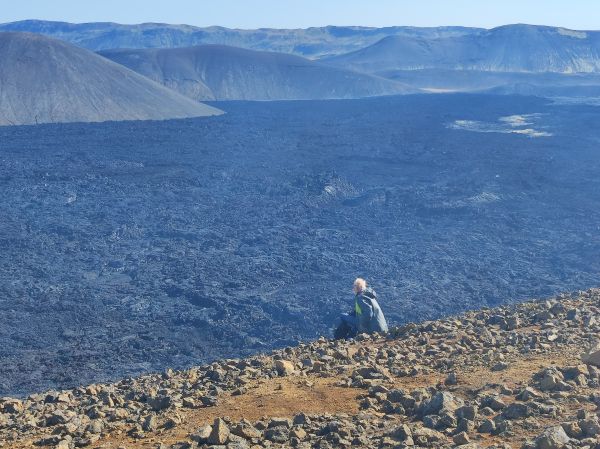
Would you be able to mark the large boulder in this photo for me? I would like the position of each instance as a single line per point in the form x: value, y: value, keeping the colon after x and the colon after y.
x: 590, y: 427
x: 460, y: 439
x: 59, y: 417
x: 441, y: 401
x: 10, y: 405
x: 284, y: 367
x: 592, y: 356
x: 487, y: 426
x: 158, y: 403
x: 401, y: 433
x: 572, y: 429
x: 246, y: 430
x: 219, y: 434
x: 423, y: 436
x: 517, y: 410
x: 280, y: 422
x: 202, y: 435
x: 65, y: 444
x: 552, y: 379
x: 552, y: 438
x: 467, y: 412
x: 277, y: 434
x: 369, y: 372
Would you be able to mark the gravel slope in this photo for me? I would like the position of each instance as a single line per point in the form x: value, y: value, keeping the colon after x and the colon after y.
x: 44, y: 80
x: 219, y: 72
x: 504, y: 377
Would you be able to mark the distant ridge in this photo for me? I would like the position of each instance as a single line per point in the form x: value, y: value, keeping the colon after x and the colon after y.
x: 510, y: 48
x: 507, y: 59
x: 311, y: 42
x: 44, y: 80
x: 218, y: 72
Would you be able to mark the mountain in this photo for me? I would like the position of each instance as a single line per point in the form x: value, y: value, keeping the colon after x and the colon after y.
x: 417, y: 57
x: 44, y: 80
x: 310, y: 42
x: 511, y: 48
x: 523, y: 376
x: 210, y: 72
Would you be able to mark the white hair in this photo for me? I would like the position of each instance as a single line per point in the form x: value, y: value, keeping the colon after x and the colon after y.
x: 359, y: 285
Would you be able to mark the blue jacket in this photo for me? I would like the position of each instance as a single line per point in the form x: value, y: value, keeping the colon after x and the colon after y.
x: 369, y: 317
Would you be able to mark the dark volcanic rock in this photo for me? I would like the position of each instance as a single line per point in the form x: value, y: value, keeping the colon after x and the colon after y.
x: 127, y: 248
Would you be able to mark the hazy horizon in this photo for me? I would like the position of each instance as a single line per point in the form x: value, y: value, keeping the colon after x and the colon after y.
x: 299, y: 28
x: 577, y: 14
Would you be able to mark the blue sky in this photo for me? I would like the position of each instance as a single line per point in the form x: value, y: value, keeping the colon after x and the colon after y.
x: 578, y: 14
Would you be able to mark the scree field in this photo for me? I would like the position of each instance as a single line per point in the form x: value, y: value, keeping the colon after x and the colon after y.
x: 135, y: 246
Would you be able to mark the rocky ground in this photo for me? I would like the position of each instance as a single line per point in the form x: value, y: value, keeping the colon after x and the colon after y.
x: 525, y: 376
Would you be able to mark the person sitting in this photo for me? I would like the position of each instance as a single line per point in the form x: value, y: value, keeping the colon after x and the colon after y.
x: 367, y: 316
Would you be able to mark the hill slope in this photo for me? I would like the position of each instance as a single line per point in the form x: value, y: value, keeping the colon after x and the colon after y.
x: 310, y: 42
x: 511, y: 48
x: 227, y: 73
x: 505, y: 377
x: 44, y: 80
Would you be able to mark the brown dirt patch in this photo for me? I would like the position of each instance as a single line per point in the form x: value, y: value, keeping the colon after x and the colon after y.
x: 283, y: 398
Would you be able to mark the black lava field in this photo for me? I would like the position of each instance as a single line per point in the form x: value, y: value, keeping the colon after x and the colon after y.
x: 135, y: 246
